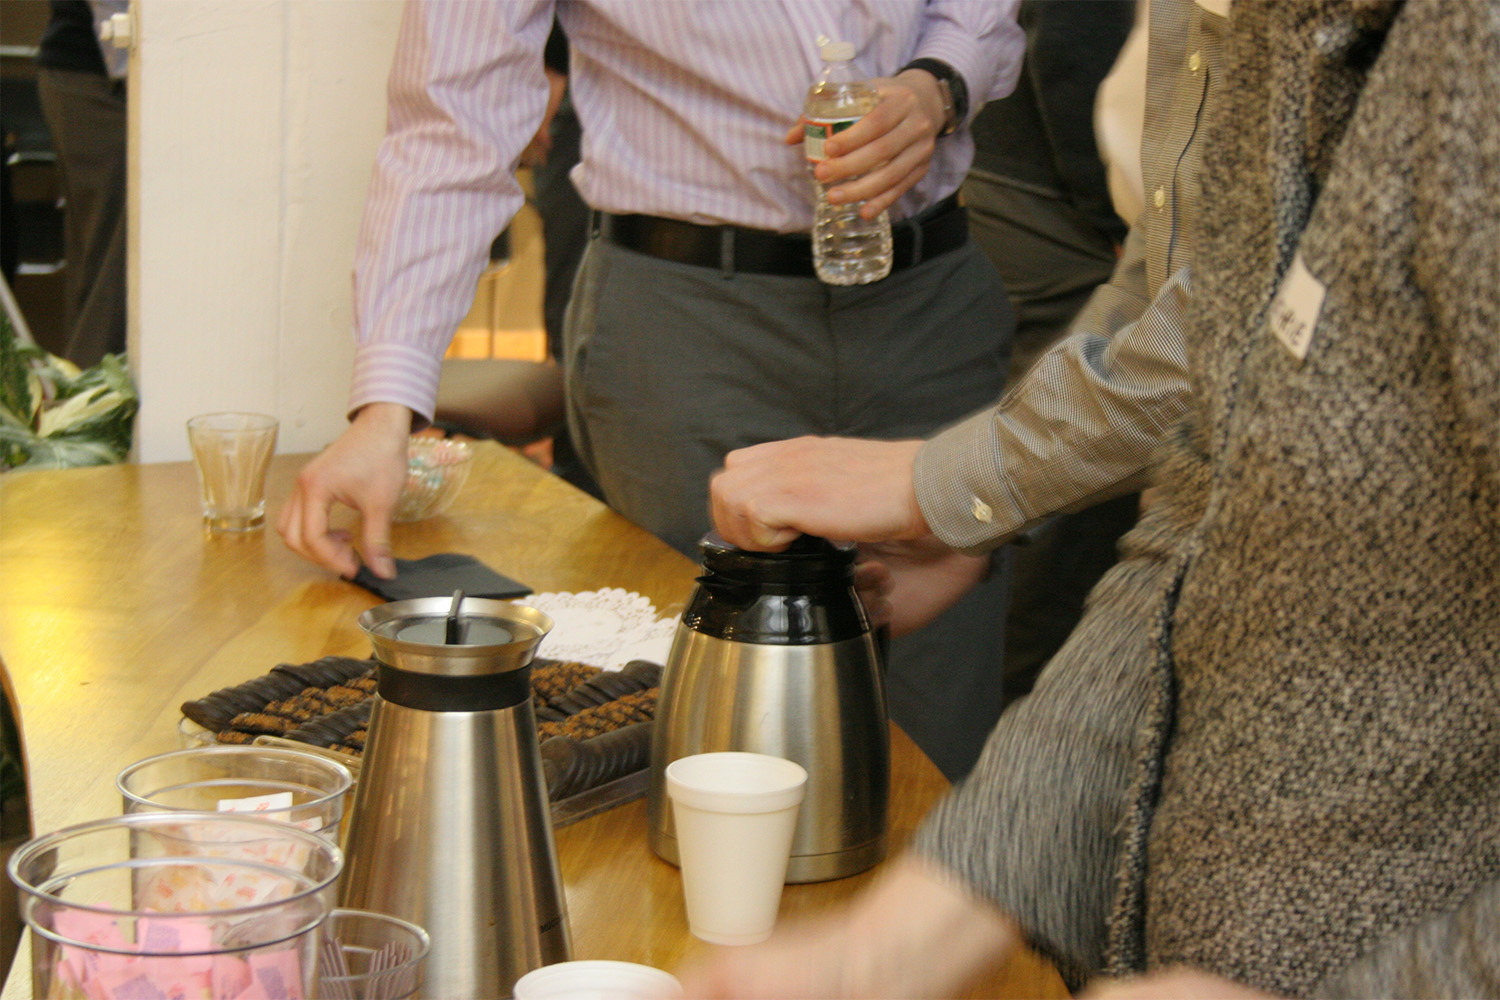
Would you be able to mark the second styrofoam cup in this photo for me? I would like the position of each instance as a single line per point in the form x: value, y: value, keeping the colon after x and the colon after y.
x: 735, y: 815
x: 598, y: 980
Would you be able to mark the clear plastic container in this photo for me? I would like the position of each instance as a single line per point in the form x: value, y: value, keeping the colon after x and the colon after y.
x: 847, y: 249
x: 186, y: 904
x: 304, y: 789
x: 370, y: 956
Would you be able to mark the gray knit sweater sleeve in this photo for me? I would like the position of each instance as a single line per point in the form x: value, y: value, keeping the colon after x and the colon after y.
x: 1034, y: 828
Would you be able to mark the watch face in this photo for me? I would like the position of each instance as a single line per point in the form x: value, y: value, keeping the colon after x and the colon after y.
x: 950, y: 120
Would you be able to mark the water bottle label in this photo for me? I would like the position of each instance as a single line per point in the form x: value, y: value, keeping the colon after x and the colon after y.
x: 816, y: 131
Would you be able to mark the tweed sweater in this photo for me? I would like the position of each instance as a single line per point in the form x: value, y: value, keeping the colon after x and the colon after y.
x: 1315, y: 801
x: 1321, y: 777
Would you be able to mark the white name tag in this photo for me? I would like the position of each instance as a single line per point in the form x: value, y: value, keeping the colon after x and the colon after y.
x: 1294, y: 313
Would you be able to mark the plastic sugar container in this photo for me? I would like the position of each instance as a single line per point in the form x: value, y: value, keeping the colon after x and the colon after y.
x: 218, y: 906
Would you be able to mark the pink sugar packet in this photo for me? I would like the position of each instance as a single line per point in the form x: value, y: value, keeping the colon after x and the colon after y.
x: 179, y: 967
x: 230, y: 977
x: 189, y: 938
x: 140, y: 983
x: 82, y: 966
x: 99, y: 929
x: 275, y: 975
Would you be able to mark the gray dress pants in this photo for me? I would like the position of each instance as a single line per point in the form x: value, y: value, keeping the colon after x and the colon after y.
x: 671, y: 366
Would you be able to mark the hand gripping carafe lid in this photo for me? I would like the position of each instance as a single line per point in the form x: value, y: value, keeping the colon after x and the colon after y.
x: 801, y: 595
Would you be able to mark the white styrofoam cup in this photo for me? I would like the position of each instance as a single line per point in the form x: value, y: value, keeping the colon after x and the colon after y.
x: 597, y: 980
x: 735, y: 815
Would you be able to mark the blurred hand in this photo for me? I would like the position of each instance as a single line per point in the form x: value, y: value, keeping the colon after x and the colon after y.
x: 363, y: 469
x: 872, y: 580
x: 536, y: 151
x: 914, y: 933
x: 925, y: 578
x: 844, y: 489
x: 888, y: 150
x: 1175, y: 984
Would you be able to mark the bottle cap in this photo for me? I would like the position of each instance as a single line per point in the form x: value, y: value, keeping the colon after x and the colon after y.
x: 836, y: 51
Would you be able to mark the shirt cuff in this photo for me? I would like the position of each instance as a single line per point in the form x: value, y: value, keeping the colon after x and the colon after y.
x: 962, y: 489
x: 396, y: 373
x: 989, y: 68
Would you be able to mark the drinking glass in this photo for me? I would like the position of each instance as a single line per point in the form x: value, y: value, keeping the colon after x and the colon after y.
x: 232, y: 452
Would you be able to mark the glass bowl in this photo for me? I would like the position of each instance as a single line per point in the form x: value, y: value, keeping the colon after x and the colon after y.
x: 436, y: 469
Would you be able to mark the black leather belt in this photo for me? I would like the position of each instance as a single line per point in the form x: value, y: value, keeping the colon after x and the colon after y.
x: 943, y: 227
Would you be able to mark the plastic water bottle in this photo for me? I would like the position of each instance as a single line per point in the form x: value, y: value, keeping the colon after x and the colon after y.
x: 847, y: 249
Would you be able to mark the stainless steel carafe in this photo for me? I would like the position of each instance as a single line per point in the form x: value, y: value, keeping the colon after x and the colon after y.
x: 774, y: 655
x: 450, y: 826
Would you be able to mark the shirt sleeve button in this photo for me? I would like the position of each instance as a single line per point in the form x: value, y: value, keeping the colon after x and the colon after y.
x: 981, y: 511
x: 1159, y: 198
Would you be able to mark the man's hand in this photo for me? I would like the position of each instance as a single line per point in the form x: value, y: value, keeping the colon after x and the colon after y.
x: 363, y: 469
x: 540, y: 147
x: 925, y: 577
x: 873, y: 583
x: 887, y: 151
x: 914, y: 933
x: 844, y: 489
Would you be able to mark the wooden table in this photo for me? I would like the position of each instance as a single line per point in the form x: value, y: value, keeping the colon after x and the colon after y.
x: 116, y: 606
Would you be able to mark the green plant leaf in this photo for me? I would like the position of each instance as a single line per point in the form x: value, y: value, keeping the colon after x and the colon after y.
x: 15, y: 374
x: 54, y: 415
x: 64, y: 453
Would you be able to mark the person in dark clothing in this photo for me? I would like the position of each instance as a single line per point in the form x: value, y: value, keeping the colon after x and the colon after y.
x: 565, y: 235
x: 1036, y: 193
x: 1039, y: 205
x: 83, y: 101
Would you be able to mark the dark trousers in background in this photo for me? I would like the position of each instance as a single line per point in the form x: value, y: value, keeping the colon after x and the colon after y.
x: 565, y: 235
x: 1051, y: 258
x: 86, y: 116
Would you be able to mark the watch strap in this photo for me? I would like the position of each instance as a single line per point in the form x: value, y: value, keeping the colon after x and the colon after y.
x: 955, y: 91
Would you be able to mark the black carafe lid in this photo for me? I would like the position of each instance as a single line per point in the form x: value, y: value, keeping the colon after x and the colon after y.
x: 801, y: 595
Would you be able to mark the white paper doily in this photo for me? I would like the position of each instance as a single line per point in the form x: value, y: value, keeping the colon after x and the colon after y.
x: 604, y: 628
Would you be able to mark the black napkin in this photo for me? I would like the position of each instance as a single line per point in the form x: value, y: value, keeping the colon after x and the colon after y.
x: 440, y: 576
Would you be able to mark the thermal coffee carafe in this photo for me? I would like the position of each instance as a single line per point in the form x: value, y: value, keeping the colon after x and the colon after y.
x: 774, y: 655
x: 450, y: 826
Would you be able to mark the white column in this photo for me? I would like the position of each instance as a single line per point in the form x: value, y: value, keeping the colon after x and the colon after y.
x: 253, y: 127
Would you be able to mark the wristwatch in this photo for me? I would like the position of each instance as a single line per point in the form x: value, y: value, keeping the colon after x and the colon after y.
x: 951, y: 85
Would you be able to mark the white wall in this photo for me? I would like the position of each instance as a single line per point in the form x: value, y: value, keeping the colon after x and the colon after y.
x: 253, y: 130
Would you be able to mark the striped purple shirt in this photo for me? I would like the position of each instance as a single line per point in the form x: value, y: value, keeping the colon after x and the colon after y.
x: 684, y: 105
